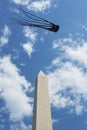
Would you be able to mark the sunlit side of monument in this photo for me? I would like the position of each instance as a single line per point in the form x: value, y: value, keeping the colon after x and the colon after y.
x: 41, y: 112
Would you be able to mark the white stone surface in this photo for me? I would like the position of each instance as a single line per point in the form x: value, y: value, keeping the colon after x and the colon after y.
x: 41, y: 114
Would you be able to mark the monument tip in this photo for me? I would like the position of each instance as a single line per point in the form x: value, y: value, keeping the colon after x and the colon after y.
x: 41, y: 73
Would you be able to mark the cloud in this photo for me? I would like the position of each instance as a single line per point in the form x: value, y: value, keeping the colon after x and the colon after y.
x: 13, y: 90
x: 22, y: 2
x: 67, y: 75
x: 4, y: 39
x: 31, y: 37
x: 75, y: 50
x: 78, y: 54
x: 30, y: 34
x: 40, y: 5
x: 21, y: 126
x: 28, y: 47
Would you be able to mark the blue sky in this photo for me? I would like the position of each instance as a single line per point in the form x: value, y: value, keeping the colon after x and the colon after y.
x: 24, y: 51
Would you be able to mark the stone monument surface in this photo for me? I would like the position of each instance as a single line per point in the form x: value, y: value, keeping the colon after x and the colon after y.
x: 41, y: 112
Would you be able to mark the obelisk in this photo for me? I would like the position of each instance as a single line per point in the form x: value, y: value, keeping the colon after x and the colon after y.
x: 41, y: 112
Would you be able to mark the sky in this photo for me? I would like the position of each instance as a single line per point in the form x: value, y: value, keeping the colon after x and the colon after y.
x: 62, y: 56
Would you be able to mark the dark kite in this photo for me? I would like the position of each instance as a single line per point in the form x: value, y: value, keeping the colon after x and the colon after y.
x: 35, y: 21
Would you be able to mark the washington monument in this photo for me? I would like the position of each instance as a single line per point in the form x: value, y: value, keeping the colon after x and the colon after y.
x: 41, y: 112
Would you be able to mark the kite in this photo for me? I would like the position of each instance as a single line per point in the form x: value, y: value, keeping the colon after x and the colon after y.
x: 35, y: 21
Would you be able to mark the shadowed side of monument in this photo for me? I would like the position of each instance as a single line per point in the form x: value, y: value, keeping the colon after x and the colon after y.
x: 41, y: 113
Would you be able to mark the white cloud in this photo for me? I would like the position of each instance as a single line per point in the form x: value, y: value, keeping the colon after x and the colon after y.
x: 4, y: 39
x: 78, y: 54
x: 28, y: 47
x: 24, y: 127
x: 30, y: 34
x: 21, y: 126
x: 68, y: 78
x: 40, y: 5
x: 70, y: 81
x: 31, y: 37
x: 14, y: 87
x: 22, y: 2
